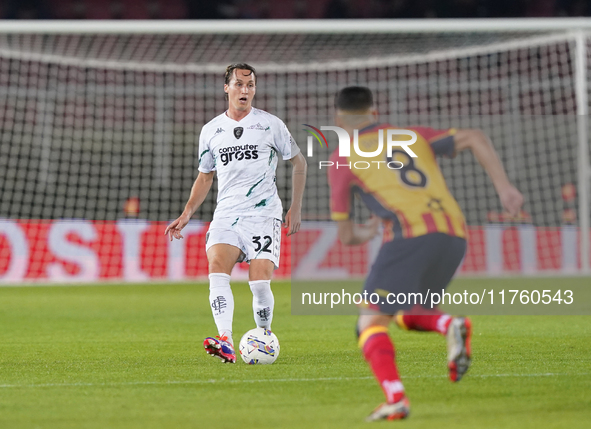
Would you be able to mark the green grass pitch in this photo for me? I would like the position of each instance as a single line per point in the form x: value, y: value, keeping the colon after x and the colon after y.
x: 131, y: 357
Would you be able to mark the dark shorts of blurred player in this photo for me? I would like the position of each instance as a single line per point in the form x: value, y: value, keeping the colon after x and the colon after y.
x: 411, y: 266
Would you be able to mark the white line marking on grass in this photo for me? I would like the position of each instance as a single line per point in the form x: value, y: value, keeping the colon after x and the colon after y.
x: 270, y: 380
x: 212, y: 381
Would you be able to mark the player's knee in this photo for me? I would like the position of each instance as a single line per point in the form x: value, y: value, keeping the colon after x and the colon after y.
x: 368, y: 320
x: 260, y: 269
x: 221, y: 258
x: 214, y: 267
x: 219, y: 265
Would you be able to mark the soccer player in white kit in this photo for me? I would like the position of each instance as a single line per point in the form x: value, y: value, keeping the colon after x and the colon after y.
x: 243, y: 146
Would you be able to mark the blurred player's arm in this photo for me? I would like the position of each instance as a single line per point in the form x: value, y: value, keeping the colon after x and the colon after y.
x: 293, y: 218
x: 351, y: 233
x: 484, y: 152
x: 341, y: 181
x: 199, y: 191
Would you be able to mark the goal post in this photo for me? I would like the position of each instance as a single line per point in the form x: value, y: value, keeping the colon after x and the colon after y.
x: 99, y: 125
x: 584, y: 169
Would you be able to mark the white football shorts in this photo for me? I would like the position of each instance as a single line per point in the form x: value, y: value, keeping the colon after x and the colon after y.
x: 257, y: 237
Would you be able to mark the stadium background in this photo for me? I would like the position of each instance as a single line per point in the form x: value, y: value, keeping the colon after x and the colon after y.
x: 97, y: 153
x: 99, y: 128
x: 291, y: 9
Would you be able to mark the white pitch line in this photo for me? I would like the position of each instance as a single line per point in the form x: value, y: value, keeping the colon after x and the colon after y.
x: 212, y: 381
x: 270, y: 380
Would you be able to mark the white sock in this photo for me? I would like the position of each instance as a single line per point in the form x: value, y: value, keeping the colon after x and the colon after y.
x: 262, y: 303
x: 221, y: 301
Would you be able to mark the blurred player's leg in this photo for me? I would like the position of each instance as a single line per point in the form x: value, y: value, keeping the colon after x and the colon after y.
x: 378, y: 351
x: 459, y: 352
x: 458, y: 332
x: 422, y: 319
x: 444, y: 255
x: 397, y: 411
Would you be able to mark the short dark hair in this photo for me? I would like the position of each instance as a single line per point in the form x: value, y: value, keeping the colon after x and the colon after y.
x: 240, y: 66
x: 354, y: 98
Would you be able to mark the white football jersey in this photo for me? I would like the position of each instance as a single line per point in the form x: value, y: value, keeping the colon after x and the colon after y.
x: 245, y: 154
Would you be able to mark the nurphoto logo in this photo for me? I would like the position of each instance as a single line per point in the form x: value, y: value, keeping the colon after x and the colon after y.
x: 392, y: 146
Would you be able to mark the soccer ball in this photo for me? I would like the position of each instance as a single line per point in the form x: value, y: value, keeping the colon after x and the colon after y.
x: 259, y: 346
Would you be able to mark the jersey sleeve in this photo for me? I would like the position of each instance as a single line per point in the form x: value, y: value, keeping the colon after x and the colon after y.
x: 340, y: 181
x: 206, y: 159
x: 441, y: 141
x: 284, y: 142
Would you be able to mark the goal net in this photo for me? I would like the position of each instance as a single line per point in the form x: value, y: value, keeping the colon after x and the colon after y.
x: 100, y: 124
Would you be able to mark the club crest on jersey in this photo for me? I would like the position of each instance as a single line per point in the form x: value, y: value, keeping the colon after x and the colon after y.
x: 238, y: 132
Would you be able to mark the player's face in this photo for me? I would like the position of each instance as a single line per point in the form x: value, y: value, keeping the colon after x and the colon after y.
x: 241, y: 89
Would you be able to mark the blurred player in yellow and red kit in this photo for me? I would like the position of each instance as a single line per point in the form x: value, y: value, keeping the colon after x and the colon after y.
x: 424, y: 237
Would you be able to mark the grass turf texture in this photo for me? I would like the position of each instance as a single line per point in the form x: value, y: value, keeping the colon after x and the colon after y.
x: 131, y: 357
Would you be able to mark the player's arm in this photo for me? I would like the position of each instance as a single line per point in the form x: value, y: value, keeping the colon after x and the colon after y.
x: 293, y: 218
x: 351, y: 233
x: 340, y: 181
x: 199, y: 191
x: 484, y: 152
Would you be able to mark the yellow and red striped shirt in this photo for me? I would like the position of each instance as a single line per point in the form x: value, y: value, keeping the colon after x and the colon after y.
x: 413, y: 200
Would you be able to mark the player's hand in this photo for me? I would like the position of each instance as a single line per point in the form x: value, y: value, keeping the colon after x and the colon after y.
x: 511, y: 199
x: 174, y: 229
x: 293, y: 221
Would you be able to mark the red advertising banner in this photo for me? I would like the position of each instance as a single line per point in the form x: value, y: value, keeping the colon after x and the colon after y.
x: 135, y: 251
